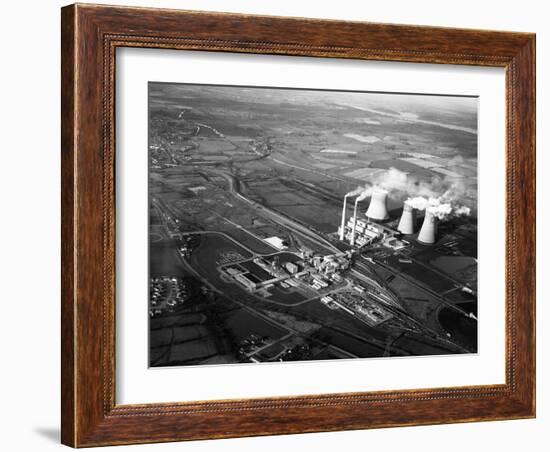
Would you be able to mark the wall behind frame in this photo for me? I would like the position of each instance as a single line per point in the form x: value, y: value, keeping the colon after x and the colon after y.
x: 31, y: 210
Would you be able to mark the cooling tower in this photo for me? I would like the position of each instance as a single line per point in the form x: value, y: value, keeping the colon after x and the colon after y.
x: 408, y: 219
x: 343, y: 225
x: 378, y: 209
x: 429, y: 228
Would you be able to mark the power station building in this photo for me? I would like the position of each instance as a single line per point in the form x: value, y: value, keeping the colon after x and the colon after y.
x: 332, y: 263
x: 364, y: 232
x: 361, y: 232
x: 371, y: 228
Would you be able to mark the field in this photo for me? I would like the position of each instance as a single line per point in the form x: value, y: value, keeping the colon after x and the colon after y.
x: 193, y: 333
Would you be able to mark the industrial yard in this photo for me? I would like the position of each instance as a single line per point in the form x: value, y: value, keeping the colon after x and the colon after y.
x: 290, y: 225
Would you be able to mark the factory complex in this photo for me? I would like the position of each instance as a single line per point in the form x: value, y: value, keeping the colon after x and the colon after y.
x: 287, y: 270
x: 309, y: 276
x: 330, y: 278
x: 372, y: 228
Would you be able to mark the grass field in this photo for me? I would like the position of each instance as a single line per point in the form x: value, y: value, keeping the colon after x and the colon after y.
x: 164, y: 260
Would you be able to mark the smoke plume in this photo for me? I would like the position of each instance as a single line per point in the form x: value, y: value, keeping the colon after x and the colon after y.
x: 441, y: 194
x: 361, y: 197
x: 355, y: 192
x: 440, y: 207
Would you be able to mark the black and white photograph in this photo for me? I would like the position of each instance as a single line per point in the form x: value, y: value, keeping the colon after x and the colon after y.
x: 301, y: 225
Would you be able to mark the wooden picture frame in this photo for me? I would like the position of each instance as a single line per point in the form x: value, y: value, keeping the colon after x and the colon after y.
x: 90, y: 36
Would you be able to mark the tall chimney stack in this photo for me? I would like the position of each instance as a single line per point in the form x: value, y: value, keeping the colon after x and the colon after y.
x: 352, y: 239
x: 408, y: 219
x: 378, y: 209
x: 343, y: 224
x: 361, y: 197
x: 429, y: 228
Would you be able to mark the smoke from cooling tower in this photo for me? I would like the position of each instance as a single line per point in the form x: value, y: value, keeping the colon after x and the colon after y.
x: 439, y: 207
x: 355, y: 192
x: 441, y: 193
x: 364, y: 195
x: 400, y: 184
x: 462, y: 210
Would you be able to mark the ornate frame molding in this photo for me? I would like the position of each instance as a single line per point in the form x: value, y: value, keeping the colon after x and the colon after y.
x: 90, y: 37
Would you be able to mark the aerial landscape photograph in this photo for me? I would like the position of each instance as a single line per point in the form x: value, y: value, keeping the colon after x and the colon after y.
x: 304, y: 225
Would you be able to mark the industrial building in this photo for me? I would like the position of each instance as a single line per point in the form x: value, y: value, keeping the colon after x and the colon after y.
x: 330, y: 264
x: 247, y: 283
x: 291, y: 267
x: 242, y: 278
x: 364, y: 232
x: 277, y: 242
x: 359, y: 232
